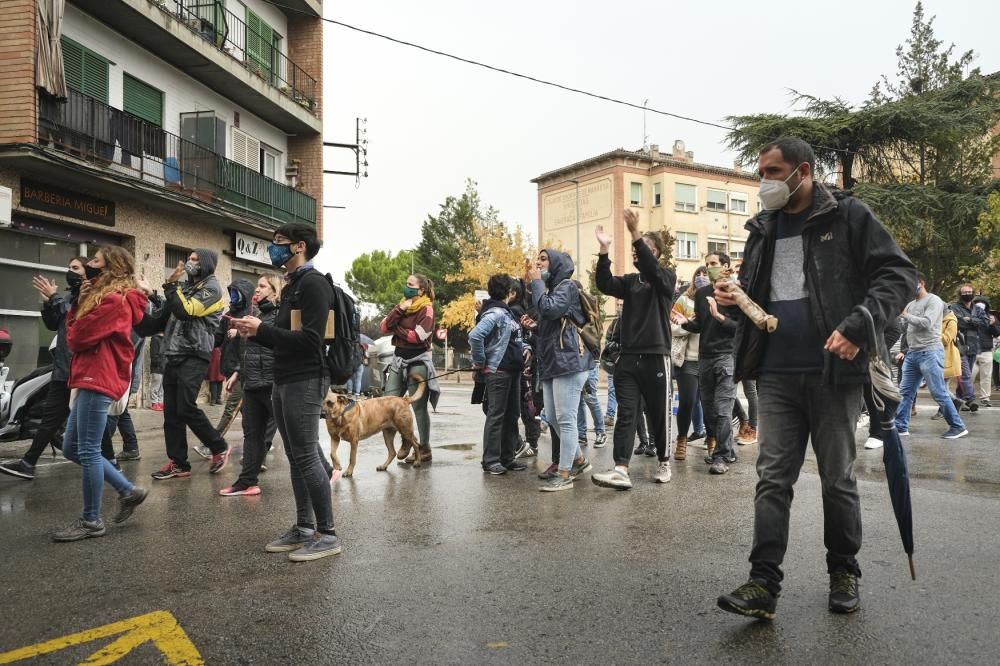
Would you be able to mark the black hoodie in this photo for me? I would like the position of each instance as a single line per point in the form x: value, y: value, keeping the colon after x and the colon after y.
x: 644, y: 324
x: 232, y: 348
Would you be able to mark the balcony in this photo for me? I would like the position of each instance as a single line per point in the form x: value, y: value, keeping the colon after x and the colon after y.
x: 132, y: 148
x: 213, y: 45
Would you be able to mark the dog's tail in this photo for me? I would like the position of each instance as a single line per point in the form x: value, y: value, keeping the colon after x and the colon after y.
x: 419, y: 393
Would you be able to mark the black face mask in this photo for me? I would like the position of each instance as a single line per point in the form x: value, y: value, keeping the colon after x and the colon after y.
x: 967, y: 298
x: 73, y: 279
x: 91, y: 272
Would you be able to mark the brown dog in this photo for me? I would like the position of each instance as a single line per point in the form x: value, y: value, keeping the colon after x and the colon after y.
x: 353, y: 421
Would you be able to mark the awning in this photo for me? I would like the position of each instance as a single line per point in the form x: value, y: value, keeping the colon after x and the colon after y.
x: 49, y: 74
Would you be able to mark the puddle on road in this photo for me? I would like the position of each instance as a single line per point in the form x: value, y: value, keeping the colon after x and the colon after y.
x: 456, y: 447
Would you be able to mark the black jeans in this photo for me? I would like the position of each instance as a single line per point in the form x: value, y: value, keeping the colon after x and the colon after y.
x: 54, y: 413
x: 296, y: 410
x: 795, y: 409
x: 123, y: 423
x: 258, y: 430
x: 687, y: 388
x: 717, y: 395
x: 500, y: 435
x: 182, y: 379
x: 532, y: 428
x: 642, y: 378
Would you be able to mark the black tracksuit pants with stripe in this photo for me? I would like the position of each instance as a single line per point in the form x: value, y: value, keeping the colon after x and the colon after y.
x: 648, y: 376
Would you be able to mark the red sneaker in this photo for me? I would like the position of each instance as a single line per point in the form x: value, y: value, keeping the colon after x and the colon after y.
x: 170, y: 471
x: 157, y: 406
x: 236, y: 490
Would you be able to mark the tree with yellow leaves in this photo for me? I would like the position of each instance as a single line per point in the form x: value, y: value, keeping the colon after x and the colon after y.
x: 494, y: 249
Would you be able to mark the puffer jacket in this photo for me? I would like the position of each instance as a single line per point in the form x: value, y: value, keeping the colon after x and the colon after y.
x: 232, y: 348
x: 850, y: 259
x: 558, y: 344
x: 101, y: 342
x: 195, y: 312
x: 54, y: 317
x: 257, y: 366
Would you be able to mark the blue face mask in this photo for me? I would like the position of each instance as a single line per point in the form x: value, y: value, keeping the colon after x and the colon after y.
x: 279, y: 254
x: 235, y: 298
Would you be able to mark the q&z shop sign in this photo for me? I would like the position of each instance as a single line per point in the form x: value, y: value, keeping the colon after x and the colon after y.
x: 67, y: 202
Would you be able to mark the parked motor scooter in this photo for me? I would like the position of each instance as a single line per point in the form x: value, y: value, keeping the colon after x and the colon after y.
x: 21, y: 401
x: 379, y: 355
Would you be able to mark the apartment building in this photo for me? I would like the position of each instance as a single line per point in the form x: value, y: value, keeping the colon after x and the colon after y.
x: 180, y: 124
x: 704, y: 206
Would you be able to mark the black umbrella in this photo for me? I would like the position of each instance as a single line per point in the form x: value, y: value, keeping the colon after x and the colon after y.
x: 886, y: 398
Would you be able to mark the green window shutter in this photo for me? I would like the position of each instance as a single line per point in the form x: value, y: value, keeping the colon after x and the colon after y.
x: 143, y: 101
x: 260, y: 37
x: 85, y: 70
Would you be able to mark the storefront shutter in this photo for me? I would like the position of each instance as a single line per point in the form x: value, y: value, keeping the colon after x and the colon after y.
x: 143, y: 100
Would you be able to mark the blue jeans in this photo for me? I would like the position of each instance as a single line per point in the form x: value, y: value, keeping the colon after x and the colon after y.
x: 929, y: 365
x: 354, y: 382
x: 593, y: 404
x: 82, y: 445
x: 562, y: 399
x: 612, y: 399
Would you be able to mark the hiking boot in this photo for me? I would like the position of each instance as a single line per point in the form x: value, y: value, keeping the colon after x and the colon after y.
x: 129, y: 455
x: 219, y: 461
x: 321, y: 545
x: 296, y: 537
x: 22, y: 469
x: 425, y: 455
x: 496, y: 469
x: 718, y: 467
x: 81, y: 529
x: 662, y: 472
x: 616, y: 478
x: 844, y: 594
x: 955, y: 433
x: 749, y: 435
x: 600, y: 440
x: 609, y: 421
x: 238, y: 489
x: 203, y: 451
x: 127, y: 504
x: 556, y: 484
x: 170, y: 471
x: 709, y: 445
x: 681, y: 449
x: 579, y: 468
x: 750, y: 600
x: 696, y: 436
x: 550, y: 472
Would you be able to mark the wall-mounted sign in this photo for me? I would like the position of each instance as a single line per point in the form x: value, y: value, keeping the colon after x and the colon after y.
x: 251, y: 248
x: 67, y: 202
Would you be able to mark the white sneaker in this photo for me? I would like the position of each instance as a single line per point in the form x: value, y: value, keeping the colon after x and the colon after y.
x: 616, y: 478
x: 863, y: 421
x: 662, y: 472
x: 873, y: 443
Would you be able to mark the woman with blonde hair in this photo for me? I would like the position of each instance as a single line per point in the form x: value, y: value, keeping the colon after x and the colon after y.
x: 99, y: 333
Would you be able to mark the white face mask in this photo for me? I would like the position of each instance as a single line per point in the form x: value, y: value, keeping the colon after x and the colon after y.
x: 775, y: 194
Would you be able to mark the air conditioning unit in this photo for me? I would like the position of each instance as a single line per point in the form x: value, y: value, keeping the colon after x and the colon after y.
x: 6, y: 201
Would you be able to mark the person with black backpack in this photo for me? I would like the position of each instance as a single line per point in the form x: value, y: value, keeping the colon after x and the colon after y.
x: 301, y: 376
x: 643, y: 368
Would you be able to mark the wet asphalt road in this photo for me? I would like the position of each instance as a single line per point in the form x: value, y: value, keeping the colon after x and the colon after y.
x: 445, y: 565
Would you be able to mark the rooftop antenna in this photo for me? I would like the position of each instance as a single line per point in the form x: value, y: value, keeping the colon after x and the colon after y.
x: 645, y: 137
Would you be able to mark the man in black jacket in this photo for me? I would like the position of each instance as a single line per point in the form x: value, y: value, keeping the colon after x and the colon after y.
x: 813, y: 255
x: 643, y: 368
x: 715, y: 325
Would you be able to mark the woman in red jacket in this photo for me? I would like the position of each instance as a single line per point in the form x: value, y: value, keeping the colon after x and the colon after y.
x: 98, y: 332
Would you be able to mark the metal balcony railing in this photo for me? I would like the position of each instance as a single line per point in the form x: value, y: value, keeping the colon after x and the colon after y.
x: 134, y: 148
x: 250, y: 45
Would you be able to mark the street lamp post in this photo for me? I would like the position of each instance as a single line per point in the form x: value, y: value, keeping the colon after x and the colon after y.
x: 577, y: 184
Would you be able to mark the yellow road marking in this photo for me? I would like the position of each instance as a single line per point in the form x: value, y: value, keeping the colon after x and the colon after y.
x: 160, y: 627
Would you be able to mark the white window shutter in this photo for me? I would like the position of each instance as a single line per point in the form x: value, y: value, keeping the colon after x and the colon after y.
x: 246, y: 150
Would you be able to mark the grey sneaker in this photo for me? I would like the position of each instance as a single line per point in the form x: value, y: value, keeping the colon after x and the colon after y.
x: 127, y: 504
x: 129, y: 455
x: 203, y: 451
x: 321, y: 545
x: 556, y: 484
x: 550, y: 472
x: 293, y: 539
x: 662, y: 472
x: 579, y: 468
x: 718, y: 467
x: 601, y: 440
x: 81, y: 529
x: 615, y: 478
x: 19, y: 468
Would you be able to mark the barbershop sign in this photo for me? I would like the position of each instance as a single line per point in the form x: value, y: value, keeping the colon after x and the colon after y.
x: 67, y: 202
x: 250, y: 248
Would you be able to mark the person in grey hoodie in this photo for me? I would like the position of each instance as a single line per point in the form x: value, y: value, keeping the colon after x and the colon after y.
x: 190, y: 315
x: 564, y: 362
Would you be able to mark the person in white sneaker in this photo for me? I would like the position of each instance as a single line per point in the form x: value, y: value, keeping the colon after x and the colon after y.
x: 643, y: 367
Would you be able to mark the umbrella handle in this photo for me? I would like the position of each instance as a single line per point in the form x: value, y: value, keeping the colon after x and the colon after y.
x: 870, y: 326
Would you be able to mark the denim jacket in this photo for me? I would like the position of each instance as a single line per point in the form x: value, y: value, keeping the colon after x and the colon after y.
x: 490, y: 338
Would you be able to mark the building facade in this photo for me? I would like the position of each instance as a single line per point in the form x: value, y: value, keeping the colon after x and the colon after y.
x: 705, y: 207
x: 182, y: 124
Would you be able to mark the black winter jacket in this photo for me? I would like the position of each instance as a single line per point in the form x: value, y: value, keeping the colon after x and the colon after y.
x: 232, y: 348
x: 850, y: 259
x: 54, y: 317
x: 257, y: 366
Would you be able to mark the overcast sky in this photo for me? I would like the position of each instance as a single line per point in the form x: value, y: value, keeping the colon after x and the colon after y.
x: 433, y: 122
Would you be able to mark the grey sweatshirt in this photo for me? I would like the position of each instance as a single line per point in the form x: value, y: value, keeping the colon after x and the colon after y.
x: 923, y: 316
